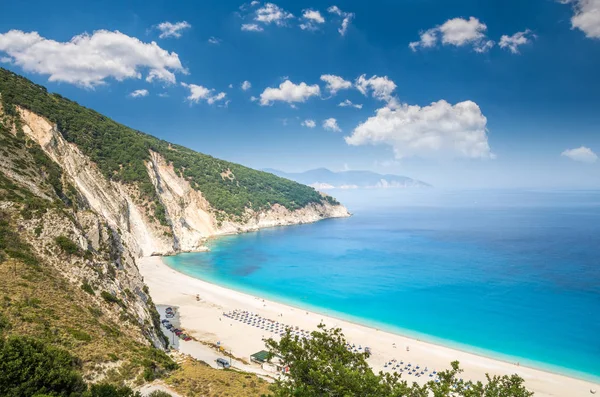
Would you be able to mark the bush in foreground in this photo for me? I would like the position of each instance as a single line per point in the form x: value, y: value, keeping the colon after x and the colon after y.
x: 322, y: 366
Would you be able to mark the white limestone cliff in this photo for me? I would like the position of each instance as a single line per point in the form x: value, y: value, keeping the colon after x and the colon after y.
x: 190, y: 216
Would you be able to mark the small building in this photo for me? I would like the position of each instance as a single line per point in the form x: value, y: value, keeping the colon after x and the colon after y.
x: 262, y: 358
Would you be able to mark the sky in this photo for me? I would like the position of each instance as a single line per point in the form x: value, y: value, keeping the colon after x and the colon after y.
x: 463, y: 93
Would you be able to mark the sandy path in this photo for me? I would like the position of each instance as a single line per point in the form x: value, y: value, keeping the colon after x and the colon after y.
x: 204, y: 320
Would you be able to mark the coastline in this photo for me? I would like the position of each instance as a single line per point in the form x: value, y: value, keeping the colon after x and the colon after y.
x: 204, y: 320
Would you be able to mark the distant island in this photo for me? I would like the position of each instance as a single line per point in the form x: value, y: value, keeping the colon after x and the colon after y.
x: 323, y: 179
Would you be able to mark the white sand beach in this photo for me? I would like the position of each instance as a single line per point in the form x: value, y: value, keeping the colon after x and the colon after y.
x: 204, y: 320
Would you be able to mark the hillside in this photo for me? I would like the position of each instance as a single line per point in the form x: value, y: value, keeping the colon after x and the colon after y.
x: 324, y: 179
x: 162, y: 197
x: 81, y: 199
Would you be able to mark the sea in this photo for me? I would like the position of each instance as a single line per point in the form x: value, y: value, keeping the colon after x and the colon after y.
x: 514, y: 275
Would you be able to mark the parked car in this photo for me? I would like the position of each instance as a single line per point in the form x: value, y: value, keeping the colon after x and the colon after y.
x: 187, y: 338
x: 178, y: 332
x: 221, y: 362
x: 170, y: 315
x: 169, y: 326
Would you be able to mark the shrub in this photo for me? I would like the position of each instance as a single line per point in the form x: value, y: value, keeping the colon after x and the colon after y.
x: 110, y: 298
x: 67, y: 245
x: 30, y: 367
x: 87, y: 288
x: 80, y: 335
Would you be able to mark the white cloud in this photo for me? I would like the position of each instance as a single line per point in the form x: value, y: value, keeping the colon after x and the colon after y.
x: 348, y: 103
x: 309, y: 123
x: 88, y: 60
x: 582, y: 154
x: 164, y: 95
x: 380, y: 87
x: 428, y: 39
x: 311, y: 20
x: 289, y: 92
x: 199, y: 93
x: 139, y: 93
x: 313, y: 15
x: 246, y: 85
x: 331, y: 125
x: 335, y: 83
x: 346, y: 18
x: 457, y: 32
x: 253, y: 99
x: 271, y: 13
x: 251, y: 27
x: 513, y: 42
x: 439, y: 129
x: 586, y: 16
x: 169, y: 29
x: 214, y: 40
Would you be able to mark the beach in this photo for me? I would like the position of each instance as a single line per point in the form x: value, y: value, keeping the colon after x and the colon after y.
x: 204, y: 320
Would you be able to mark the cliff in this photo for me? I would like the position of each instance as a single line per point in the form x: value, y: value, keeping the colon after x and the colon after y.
x: 190, y: 217
x: 162, y: 198
x: 82, y: 197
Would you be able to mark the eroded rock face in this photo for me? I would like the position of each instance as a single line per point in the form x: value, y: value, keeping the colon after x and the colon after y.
x: 191, y: 218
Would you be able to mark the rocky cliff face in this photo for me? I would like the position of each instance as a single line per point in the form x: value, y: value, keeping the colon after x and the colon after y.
x: 189, y: 216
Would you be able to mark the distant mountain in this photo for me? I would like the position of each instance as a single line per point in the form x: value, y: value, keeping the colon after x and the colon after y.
x: 323, y: 179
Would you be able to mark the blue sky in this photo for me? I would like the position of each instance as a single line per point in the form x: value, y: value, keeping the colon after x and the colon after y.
x: 463, y: 107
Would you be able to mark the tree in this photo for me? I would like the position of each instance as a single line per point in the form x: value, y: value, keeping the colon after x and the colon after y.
x: 323, y: 366
x: 29, y: 367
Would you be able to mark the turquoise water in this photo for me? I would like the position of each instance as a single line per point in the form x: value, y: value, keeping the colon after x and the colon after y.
x: 510, y: 274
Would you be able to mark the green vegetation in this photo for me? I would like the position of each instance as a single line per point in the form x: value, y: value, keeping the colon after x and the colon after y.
x: 11, y: 246
x: 30, y: 367
x: 110, y: 298
x: 121, y: 152
x: 88, y: 288
x: 322, y: 366
x: 67, y: 245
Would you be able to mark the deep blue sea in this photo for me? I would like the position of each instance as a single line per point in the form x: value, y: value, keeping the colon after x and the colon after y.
x: 510, y: 274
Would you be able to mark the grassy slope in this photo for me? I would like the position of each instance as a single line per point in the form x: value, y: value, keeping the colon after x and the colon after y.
x: 37, y: 298
x: 120, y: 153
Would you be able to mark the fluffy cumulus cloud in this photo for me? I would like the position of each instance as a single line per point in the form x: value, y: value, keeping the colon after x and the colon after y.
x: 512, y: 43
x: 458, y: 32
x: 380, y: 87
x: 348, y: 103
x: 346, y: 18
x: 311, y: 20
x: 251, y: 27
x: 586, y: 16
x: 331, y: 125
x: 88, y: 60
x: 139, y: 93
x: 168, y: 29
x: 199, y: 93
x: 309, y: 123
x: 440, y: 129
x: 246, y: 85
x: 289, y: 92
x: 272, y: 13
x: 582, y: 154
x: 335, y: 83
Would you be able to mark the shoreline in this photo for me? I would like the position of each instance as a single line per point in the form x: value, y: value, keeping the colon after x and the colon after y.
x: 168, y: 286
